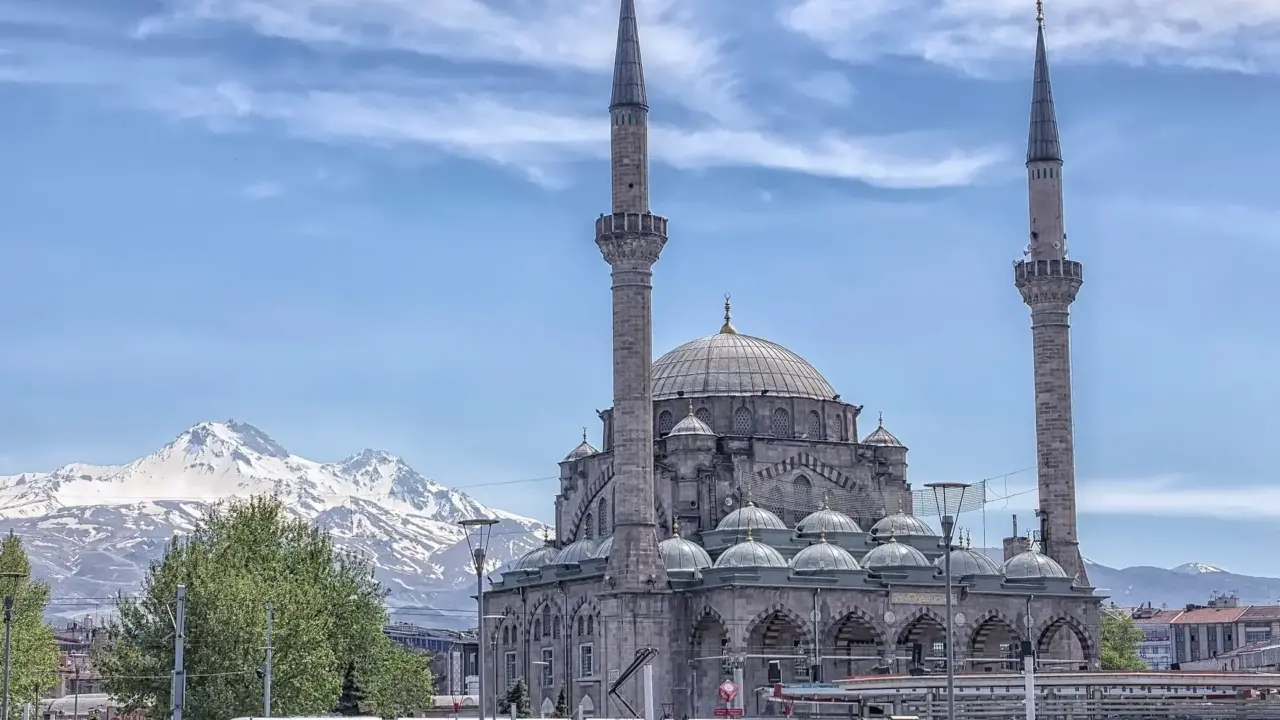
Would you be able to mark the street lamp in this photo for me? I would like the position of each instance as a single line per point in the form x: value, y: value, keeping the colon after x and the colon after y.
x: 949, y: 497
x: 479, y: 530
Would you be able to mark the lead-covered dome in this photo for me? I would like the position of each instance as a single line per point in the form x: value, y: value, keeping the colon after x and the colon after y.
x: 602, y: 550
x: 1033, y: 564
x: 966, y: 562
x: 823, y: 555
x: 729, y: 363
x: 679, y: 554
x: 902, y: 525
x: 576, y: 552
x: 751, y: 518
x: 538, y: 558
x: 750, y: 554
x: 826, y: 520
x: 894, y: 554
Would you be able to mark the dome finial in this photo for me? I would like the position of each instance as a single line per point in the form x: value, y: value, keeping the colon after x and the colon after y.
x: 892, y: 533
x: 584, y: 433
x: 822, y: 532
x: 826, y: 500
x: 546, y: 535
x: 690, y: 407
x: 727, y: 328
x: 1040, y: 12
x: 749, y: 531
x: 675, y: 527
x: 881, y: 418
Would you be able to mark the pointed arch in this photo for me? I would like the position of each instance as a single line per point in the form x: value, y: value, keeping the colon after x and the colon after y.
x: 1050, y: 630
x: 780, y: 424
x: 813, y: 428
x: 913, y: 625
x: 708, y: 613
x: 838, y: 429
x: 664, y: 423
x: 588, y: 527
x: 602, y: 517
x: 852, y: 625
x: 704, y: 415
x: 777, y: 611
x: 743, y: 422
x: 994, y: 636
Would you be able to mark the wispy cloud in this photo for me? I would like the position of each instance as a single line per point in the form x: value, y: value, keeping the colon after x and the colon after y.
x: 1238, y: 35
x: 265, y: 190
x: 1177, y: 496
x: 483, y: 104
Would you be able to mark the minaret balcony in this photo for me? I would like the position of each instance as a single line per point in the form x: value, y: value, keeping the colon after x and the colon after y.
x: 631, y: 223
x: 1027, y: 271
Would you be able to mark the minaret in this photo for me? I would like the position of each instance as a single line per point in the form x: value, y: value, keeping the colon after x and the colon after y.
x: 631, y: 238
x: 1049, y: 282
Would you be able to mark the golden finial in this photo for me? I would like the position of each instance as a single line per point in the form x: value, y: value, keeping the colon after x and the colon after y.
x: 1040, y: 12
x: 748, y: 532
x: 826, y: 500
x: 727, y: 328
x: 822, y: 532
x: 675, y: 527
x: 892, y: 539
x: 690, y: 407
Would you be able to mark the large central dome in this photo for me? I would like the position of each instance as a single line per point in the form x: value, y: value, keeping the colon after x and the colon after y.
x: 729, y: 363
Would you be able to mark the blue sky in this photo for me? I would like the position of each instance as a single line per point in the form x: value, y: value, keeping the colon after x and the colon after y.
x: 365, y: 223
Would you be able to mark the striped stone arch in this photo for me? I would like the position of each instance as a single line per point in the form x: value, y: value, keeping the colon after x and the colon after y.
x: 535, y: 612
x: 1045, y: 633
x: 708, y: 612
x: 981, y: 626
x: 837, y: 626
x: 911, y: 623
x: 782, y: 611
x: 585, y: 607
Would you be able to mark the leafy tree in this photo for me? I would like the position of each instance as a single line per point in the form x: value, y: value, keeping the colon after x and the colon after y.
x: 402, y: 684
x: 1120, y: 642
x: 518, y: 695
x: 33, y: 651
x: 328, y: 610
x: 562, y: 704
x: 351, y: 701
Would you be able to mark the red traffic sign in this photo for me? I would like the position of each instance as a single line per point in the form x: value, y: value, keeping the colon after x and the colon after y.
x: 721, y: 712
x: 735, y: 712
x: 728, y: 691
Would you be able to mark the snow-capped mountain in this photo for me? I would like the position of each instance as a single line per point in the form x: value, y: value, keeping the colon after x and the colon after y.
x: 1195, y: 568
x: 91, y: 530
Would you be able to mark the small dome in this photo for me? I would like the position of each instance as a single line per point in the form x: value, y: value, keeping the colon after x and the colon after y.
x: 902, y: 524
x: 751, y: 518
x: 537, y: 558
x: 691, y: 425
x: 894, y: 554
x: 881, y: 437
x: 826, y: 520
x: 680, y: 554
x: 602, y: 551
x: 966, y: 562
x: 577, y: 551
x: 1033, y: 564
x: 750, y: 554
x: 584, y: 449
x: 823, y: 555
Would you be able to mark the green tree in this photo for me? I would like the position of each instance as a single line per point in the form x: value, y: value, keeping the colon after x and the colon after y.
x: 518, y: 695
x: 328, y: 614
x: 562, y: 704
x: 351, y: 702
x: 402, y: 684
x: 33, y: 651
x: 1120, y: 642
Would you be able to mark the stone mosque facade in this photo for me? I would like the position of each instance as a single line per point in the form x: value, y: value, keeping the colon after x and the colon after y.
x: 736, y: 520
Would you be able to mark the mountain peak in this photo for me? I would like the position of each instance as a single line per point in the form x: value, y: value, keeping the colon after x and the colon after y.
x: 1195, y: 568
x: 233, y: 433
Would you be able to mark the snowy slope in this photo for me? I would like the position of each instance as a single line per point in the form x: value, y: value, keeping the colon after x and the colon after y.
x: 1195, y: 568
x: 92, y: 530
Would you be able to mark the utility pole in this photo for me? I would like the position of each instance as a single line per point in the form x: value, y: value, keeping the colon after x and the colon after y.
x: 266, y: 670
x: 178, y: 692
x: 8, y: 631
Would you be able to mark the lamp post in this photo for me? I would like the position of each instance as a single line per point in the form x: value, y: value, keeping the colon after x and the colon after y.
x: 950, y: 498
x: 479, y: 530
x: 8, y: 633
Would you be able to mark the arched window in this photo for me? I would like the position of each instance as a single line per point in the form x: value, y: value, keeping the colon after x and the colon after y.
x: 515, y: 634
x: 814, y: 431
x: 506, y: 636
x: 839, y: 426
x: 781, y: 423
x: 582, y: 626
x: 804, y: 494
x: 588, y: 527
x: 591, y: 625
x: 537, y: 628
x: 664, y: 423
x: 546, y: 620
x: 742, y: 421
x: 602, y: 516
x: 704, y: 415
x: 555, y: 627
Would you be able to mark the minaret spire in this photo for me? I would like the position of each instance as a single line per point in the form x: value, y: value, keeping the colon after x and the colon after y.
x: 629, y: 113
x: 1042, y: 137
x: 628, y: 69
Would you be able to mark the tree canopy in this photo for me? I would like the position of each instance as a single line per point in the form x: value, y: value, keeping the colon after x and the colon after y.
x: 328, y: 616
x: 1120, y: 642
x: 33, y: 651
x: 518, y: 695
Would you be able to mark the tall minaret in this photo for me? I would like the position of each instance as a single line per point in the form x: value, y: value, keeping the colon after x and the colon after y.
x: 631, y: 238
x: 1049, y: 282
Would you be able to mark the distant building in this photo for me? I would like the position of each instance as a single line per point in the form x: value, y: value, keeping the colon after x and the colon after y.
x: 453, y: 654
x: 76, y: 674
x: 1156, y: 649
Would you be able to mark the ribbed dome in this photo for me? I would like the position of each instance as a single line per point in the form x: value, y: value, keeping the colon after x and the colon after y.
x: 1033, y: 564
x: 750, y: 554
x: 576, y: 552
x: 751, y: 518
x: 826, y: 520
x: 602, y: 551
x: 966, y: 562
x: 680, y: 554
x: 729, y: 363
x: 538, y: 558
x: 902, y: 524
x: 824, y: 556
x: 584, y: 449
x: 691, y: 425
x: 894, y: 554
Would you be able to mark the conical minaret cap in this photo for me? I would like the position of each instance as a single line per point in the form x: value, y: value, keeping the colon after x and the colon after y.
x: 1042, y: 136
x: 628, y: 69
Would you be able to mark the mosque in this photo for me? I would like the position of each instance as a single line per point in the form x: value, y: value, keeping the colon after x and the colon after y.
x: 733, y: 520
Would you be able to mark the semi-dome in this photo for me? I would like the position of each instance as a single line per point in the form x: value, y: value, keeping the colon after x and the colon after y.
x: 751, y: 518
x: 826, y: 520
x: 965, y: 562
x: 902, y: 524
x: 1033, y: 564
x: 750, y: 554
x: 680, y: 554
x: 729, y: 363
x: 576, y: 552
x: 894, y: 554
x: 602, y: 550
x: 823, y: 555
